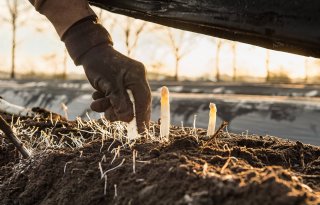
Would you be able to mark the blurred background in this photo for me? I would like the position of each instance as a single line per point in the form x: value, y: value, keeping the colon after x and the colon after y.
x: 30, y: 47
x: 258, y: 90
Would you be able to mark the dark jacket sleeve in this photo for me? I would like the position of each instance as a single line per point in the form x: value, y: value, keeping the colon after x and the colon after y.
x: 63, y: 13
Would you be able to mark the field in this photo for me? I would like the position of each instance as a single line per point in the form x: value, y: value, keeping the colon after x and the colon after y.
x: 91, y: 162
x: 287, y: 111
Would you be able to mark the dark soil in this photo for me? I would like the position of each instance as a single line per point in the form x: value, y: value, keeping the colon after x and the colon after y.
x: 190, y: 169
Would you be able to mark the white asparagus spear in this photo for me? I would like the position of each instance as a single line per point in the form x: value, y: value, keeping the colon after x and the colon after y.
x: 212, y: 119
x: 132, y: 129
x: 165, y: 113
x: 13, y: 109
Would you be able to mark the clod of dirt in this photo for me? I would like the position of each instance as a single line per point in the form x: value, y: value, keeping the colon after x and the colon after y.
x: 155, y: 153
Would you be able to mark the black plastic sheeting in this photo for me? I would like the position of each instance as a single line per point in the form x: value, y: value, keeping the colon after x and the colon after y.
x: 284, y: 25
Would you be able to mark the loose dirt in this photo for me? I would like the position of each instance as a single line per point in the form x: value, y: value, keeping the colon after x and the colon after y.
x: 75, y: 164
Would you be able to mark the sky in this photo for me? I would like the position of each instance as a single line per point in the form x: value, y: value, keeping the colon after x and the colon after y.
x: 40, y: 50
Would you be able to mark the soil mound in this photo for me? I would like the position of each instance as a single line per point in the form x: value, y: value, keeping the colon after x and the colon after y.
x: 90, y: 162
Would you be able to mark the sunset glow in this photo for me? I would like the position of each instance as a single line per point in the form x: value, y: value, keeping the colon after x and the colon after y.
x: 40, y: 51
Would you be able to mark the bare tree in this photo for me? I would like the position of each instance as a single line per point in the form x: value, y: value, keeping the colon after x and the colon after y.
x: 15, y: 8
x: 132, y: 32
x: 219, y: 43
x: 65, y: 64
x: 58, y: 60
x: 234, y: 61
x: 53, y: 59
x: 268, y: 65
x: 179, y: 41
x: 107, y: 19
x: 130, y: 27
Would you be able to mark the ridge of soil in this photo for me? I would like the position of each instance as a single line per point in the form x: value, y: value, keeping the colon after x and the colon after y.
x: 189, y: 169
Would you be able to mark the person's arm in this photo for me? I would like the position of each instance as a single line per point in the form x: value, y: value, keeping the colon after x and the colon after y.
x: 63, y: 13
x: 109, y: 72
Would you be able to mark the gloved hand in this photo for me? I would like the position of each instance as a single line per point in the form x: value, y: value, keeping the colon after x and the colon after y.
x: 110, y: 73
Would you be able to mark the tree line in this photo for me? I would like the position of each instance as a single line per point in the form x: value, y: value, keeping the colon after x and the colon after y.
x: 179, y: 42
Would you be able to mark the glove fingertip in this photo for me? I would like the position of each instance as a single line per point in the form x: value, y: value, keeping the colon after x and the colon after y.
x: 143, y: 120
x: 100, y: 105
x: 97, y: 94
x: 110, y: 115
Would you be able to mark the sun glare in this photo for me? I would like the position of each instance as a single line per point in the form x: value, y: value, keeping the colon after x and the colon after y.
x: 38, y: 41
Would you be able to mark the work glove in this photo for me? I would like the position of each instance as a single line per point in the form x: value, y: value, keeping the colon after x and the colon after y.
x: 110, y: 73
